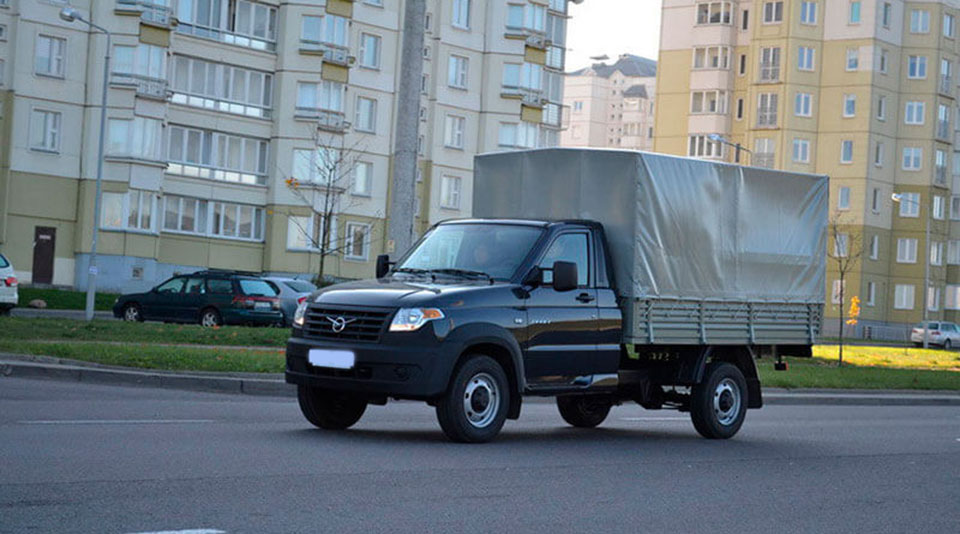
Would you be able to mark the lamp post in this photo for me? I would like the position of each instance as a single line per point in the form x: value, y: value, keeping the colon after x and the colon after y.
x: 897, y: 197
x: 70, y: 14
x: 737, y: 146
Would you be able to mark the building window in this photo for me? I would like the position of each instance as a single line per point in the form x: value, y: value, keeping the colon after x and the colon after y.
x: 875, y: 247
x: 808, y: 12
x: 704, y: 102
x: 914, y: 113
x: 878, y: 160
x: 772, y: 12
x: 936, y: 253
x: 526, y: 76
x: 846, y: 151
x: 766, y: 110
x: 240, y: 22
x: 883, y: 61
x: 854, y: 12
x: 714, y: 13
x: 461, y: 14
x: 843, y: 198
x: 45, y: 127
x: 849, y: 105
x: 366, y: 119
x: 871, y: 299
x: 362, y: 179
x: 910, y: 204
x: 702, y: 147
x: 132, y: 210
x: 903, y: 297
x: 938, y: 207
x: 805, y: 55
x: 919, y: 21
x: 882, y: 108
x: 953, y: 252
x: 370, y: 51
x: 801, y: 151
x: 526, y: 17
x: 940, y: 167
x: 838, y: 290
x: 325, y: 95
x: 450, y: 192
x: 853, y: 59
x: 743, y: 64
x: 917, y: 67
x: 140, y: 138
x: 955, y: 208
x: 739, y: 111
x: 522, y: 135
x: 577, y: 106
x: 745, y: 20
x: 357, y: 246
x: 320, y: 165
x: 711, y: 57
x: 310, y: 233
x: 453, y: 131
x: 49, y: 56
x: 327, y: 29
x: 933, y: 298
x: 144, y: 60
x: 184, y: 214
x: 952, y: 301
x: 912, y: 157
x: 841, y: 245
x: 221, y: 87
x: 457, y: 72
x: 886, y: 14
x: 803, y: 105
x: 770, y: 64
x: 216, y: 155
x: 906, y: 250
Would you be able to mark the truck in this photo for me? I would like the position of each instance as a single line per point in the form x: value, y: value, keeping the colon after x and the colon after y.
x: 597, y: 277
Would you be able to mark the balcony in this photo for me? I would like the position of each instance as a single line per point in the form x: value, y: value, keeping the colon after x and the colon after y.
x: 553, y: 115
x: 529, y: 96
x: 533, y: 38
x: 763, y: 159
x: 215, y: 103
x: 336, y: 54
x: 150, y: 12
x: 146, y: 87
x: 208, y: 172
x: 331, y: 121
x: 555, y: 57
x: 224, y: 36
x: 946, y: 88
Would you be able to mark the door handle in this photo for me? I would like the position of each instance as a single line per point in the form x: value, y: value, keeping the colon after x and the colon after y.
x: 585, y: 297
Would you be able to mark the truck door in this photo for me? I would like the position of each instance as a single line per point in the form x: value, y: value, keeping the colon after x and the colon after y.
x: 562, y: 327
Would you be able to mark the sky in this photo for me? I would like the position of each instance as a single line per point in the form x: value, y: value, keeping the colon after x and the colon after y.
x: 612, y: 27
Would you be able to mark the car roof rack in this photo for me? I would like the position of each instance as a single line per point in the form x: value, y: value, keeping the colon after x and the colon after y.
x: 228, y: 271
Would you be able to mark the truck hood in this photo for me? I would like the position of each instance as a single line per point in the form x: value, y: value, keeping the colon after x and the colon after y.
x: 407, y: 293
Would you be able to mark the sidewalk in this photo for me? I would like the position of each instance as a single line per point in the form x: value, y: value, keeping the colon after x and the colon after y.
x: 45, y: 367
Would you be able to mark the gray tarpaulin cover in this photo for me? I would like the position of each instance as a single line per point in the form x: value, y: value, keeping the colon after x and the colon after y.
x: 677, y: 227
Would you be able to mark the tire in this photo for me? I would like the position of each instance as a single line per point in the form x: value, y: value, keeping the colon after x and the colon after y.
x: 210, y: 317
x: 330, y: 410
x: 583, y: 411
x: 718, y: 405
x: 475, y: 407
x: 947, y: 345
x: 133, y: 313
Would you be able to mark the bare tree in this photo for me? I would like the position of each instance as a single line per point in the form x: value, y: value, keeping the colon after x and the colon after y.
x: 845, y: 250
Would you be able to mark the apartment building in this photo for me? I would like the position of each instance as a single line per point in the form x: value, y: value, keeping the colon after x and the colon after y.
x: 611, y: 105
x: 252, y: 134
x: 864, y: 91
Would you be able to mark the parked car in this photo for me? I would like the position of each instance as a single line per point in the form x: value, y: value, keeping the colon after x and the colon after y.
x: 292, y: 292
x: 211, y: 298
x: 947, y: 335
x: 8, y: 286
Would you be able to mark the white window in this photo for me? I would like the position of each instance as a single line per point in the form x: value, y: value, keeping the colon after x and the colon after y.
x: 808, y: 12
x: 133, y: 210
x: 803, y: 105
x: 854, y: 13
x: 878, y: 158
x: 906, y: 250
x: 912, y: 158
x: 936, y: 253
x: 875, y: 247
x: 453, y: 131
x: 953, y: 252
x: 366, y: 120
x: 461, y: 14
x: 843, y: 198
x: 216, y: 155
x: 955, y: 208
x: 702, y: 147
x: 450, y: 192
x: 917, y: 67
x: 220, y: 87
x: 841, y: 245
x: 849, y: 105
x: 919, y: 21
x: 325, y: 95
x: 875, y: 202
x: 871, y: 294
x: 237, y: 221
x: 370, y: 51
x: 767, y: 109
x: 714, y: 13
x: 903, y: 297
x: 184, y: 214
x: 914, y: 112
x: 836, y: 293
x: 363, y: 179
x: 50, y: 55
x: 711, y: 57
x: 522, y: 135
x: 933, y: 298
x: 457, y: 72
x: 853, y: 58
x: 801, y: 151
x: 805, y: 57
x: 310, y: 233
x: 882, y: 108
x: 708, y: 102
x: 45, y: 127
x: 526, y: 75
x: 952, y: 301
x: 357, y: 246
x: 846, y: 151
x: 320, y: 165
x: 949, y: 25
x: 884, y: 60
x: 770, y: 64
x: 139, y: 138
x: 939, y: 207
x: 772, y: 12
x: 144, y: 60
x: 578, y: 105
x: 530, y: 17
x: 910, y: 204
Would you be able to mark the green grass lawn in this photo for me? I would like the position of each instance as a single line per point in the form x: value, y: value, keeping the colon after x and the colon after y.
x: 61, y: 299
x: 822, y: 373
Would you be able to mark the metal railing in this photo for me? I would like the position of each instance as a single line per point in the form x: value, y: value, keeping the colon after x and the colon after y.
x: 228, y: 37
x: 332, y: 53
x: 553, y: 114
x: 220, y: 104
x: 333, y: 121
x: 763, y: 159
x: 555, y: 57
x: 150, y: 12
x: 147, y: 87
x: 529, y: 96
x: 533, y: 38
x: 214, y: 173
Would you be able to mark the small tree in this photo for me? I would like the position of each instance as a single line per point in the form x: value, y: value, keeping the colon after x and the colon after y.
x: 845, y: 252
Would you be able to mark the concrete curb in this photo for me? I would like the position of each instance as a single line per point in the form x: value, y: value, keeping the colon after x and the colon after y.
x: 273, y: 385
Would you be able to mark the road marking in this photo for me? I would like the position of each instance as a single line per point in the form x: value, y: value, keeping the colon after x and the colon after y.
x: 654, y: 418
x: 119, y: 422
x: 192, y: 531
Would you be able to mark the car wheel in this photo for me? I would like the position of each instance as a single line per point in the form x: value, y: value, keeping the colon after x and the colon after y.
x: 210, y: 317
x: 132, y: 313
x: 583, y: 411
x: 475, y: 407
x: 947, y: 345
x: 330, y: 410
x: 718, y: 405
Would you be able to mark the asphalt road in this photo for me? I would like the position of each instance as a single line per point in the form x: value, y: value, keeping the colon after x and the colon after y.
x: 110, y: 459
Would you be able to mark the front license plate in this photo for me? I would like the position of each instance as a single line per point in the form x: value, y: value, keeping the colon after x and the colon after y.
x: 337, y: 359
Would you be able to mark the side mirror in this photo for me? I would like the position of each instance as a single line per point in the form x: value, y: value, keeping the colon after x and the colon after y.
x: 564, y: 276
x: 534, y: 278
x: 383, y: 265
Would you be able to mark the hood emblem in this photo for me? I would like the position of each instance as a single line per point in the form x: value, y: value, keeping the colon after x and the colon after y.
x: 337, y: 324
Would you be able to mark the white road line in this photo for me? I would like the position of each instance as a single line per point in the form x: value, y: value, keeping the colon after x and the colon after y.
x: 119, y: 422
x: 655, y: 418
x: 193, y: 531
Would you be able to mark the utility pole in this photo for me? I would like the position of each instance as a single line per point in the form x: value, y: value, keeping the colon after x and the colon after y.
x: 407, y: 133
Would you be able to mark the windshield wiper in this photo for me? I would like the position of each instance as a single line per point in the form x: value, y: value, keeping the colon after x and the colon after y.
x: 464, y: 273
x: 410, y: 270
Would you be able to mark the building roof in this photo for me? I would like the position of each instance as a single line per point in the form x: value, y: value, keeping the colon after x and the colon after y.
x: 636, y: 91
x: 628, y: 65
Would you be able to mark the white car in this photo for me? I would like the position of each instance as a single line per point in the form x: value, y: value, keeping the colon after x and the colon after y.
x: 8, y: 286
x: 947, y: 335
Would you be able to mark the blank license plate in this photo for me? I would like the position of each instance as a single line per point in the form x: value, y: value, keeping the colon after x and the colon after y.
x: 261, y: 306
x: 337, y: 359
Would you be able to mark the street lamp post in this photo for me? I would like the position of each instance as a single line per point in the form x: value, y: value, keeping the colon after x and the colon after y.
x: 897, y: 197
x: 70, y: 14
x: 737, y: 146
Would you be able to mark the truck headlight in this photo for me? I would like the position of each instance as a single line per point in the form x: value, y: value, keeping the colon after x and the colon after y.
x: 301, y: 313
x: 411, y: 319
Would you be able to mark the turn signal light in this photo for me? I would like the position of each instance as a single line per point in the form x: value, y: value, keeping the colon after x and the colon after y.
x: 10, y: 281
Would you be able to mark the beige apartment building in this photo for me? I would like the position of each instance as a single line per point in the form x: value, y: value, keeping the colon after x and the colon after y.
x: 864, y: 91
x: 611, y: 105
x: 234, y: 124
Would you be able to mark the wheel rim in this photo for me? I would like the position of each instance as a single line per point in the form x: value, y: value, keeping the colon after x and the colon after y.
x: 726, y: 401
x: 209, y: 319
x: 132, y: 313
x: 481, y: 400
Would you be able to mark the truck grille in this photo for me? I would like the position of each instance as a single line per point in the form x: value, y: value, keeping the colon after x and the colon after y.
x: 358, y: 324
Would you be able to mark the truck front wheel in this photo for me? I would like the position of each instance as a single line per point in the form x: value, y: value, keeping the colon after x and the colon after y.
x: 475, y: 407
x: 330, y: 410
x: 583, y: 411
x: 718, y: 404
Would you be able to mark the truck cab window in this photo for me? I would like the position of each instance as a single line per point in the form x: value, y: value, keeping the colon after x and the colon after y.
x: 572, y: 248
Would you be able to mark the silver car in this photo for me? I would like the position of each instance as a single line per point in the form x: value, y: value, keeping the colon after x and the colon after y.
x: 947, y: 335
x: 8, y: 286
x: 292, y: 291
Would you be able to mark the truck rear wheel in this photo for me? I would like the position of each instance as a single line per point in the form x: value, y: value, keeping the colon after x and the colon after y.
x: 330, y: 410
x: 718, y: 405
x: 583, y: 411
x: 475, y: 407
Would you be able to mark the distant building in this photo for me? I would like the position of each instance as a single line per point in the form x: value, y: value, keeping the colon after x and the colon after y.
x: 611, y: 105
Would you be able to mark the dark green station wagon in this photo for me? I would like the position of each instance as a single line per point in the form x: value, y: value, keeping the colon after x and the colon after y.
x: 211, y: 298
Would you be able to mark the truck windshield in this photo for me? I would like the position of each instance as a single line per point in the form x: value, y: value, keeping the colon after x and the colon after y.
x: 493, y: 250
